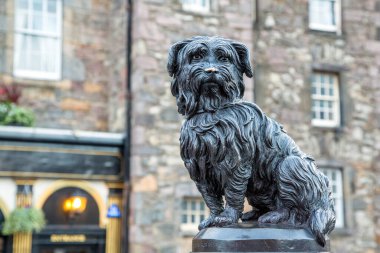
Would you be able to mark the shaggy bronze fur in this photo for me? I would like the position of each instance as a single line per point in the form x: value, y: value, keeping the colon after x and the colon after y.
x: 232, y: 149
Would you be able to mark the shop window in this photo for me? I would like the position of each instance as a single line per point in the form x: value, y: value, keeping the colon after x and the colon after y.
x: 201, y: 6
x: 324, y: 15
x: 325, y: 108
x: 193, y: 211
x: 336, y: 186
x: 37, y: 51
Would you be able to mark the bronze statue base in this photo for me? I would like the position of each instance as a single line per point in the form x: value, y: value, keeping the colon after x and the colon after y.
x: 253, y: 237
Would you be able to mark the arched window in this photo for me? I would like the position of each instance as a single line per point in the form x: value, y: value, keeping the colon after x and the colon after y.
x: 55, y: 214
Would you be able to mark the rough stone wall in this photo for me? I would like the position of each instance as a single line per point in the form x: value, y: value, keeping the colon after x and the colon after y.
x: 91, y: 93
x: 286, y: 53
x: 159, y: 179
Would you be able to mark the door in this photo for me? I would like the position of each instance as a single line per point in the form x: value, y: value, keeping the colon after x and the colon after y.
x: 68, y: 249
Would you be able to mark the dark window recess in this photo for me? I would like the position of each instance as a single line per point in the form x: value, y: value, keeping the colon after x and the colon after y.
x: 378, y: 33
x: 53, y: 209
x: 377, y: 6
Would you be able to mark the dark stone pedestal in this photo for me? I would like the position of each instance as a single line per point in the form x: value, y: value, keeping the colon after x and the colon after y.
x: 254, y: 237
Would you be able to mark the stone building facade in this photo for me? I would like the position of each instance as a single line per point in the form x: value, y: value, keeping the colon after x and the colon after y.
x: 89, y: 93
x: 288, y: 55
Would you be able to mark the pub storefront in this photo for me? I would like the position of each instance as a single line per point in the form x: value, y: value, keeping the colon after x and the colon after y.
x: 75, y: 178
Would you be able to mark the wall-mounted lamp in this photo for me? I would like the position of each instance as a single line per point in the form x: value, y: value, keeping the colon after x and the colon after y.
x: 75, y: 204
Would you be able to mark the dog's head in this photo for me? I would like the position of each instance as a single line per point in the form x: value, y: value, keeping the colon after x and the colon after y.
x: 207, y: 73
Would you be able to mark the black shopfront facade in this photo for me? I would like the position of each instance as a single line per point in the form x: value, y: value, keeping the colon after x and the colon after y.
x: 73, y: 178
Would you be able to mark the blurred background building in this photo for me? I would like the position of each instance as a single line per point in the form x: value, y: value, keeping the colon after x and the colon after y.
x: 106, y: 128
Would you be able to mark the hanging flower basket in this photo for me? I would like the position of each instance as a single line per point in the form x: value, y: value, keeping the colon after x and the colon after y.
x: 11, y: 114
x: 24, y: 220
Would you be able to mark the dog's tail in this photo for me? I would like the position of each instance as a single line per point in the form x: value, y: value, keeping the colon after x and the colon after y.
x: 322, y: 219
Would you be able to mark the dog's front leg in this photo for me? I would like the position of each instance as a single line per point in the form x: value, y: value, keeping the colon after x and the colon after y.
x: 213, y: 201
x: 234, y: 194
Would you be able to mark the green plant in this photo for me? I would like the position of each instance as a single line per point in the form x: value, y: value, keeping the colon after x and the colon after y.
x: 13, y: 115
x: 24, y: 220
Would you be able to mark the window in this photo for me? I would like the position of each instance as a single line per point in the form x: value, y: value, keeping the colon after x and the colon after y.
x: 324, y: 15
x: 336, y: 187
x: 202, y: 6
x: 37, y: 52
x: 193, y: 211
x: 325, y: 99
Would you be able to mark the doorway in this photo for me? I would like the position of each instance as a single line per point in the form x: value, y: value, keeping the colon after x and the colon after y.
x: 68, y: 249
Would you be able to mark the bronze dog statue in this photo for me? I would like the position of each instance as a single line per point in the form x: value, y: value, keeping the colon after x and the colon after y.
x: 232, y: 149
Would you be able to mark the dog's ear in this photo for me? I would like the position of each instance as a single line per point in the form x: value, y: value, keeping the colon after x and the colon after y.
x: 244, y: 62
x: 172, y: 66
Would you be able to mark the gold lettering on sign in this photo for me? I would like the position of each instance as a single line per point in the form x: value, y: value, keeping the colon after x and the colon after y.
x: 67, y: 238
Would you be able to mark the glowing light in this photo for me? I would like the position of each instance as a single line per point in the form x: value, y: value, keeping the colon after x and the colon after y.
x: 75, y: 204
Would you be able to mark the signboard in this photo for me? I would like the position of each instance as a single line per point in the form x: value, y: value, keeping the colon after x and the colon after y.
x: 113, y: 211
x: 67, y: 238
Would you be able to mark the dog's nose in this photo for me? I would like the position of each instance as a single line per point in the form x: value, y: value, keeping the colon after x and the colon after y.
x: 211, y: 70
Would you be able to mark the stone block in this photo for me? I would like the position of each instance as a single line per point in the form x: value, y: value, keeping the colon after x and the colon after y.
x: 75, y: 105
x: 145, y: 184
x: 90, y: 87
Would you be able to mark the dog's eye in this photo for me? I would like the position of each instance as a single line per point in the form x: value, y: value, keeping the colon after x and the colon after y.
x: 224, y: 59
x: 196, y: 57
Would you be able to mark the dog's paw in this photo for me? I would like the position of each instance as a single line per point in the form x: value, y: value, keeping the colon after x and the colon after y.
x: 275, y: 217
x: 222, y: 221
x: 251, y: 215
x: 207, y: 222
x: 227, y: 217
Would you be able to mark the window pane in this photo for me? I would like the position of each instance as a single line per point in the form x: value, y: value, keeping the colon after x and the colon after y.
x: 51, y: 24
x: 192, y: 218
x: 37, y: 5
x: 22, y: 4
x: 314, y: 90
x: 322, y: 77
x: 52, y: 6
x: 22, y: 19
x: 331, y: 92
x: 193, y: 205
x: 184, y: 205
x: 37, y: 21
x: 202, y: 206
x: 184, y: 218
x: 322, y: 12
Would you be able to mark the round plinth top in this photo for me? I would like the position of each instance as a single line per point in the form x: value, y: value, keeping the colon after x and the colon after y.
x: 255, y: 237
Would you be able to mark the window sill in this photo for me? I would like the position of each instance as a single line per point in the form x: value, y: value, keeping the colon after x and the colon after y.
x: 331, y: 34
x: 34, y: 82
x: 208, y: 14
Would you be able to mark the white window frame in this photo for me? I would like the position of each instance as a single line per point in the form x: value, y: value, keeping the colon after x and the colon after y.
x: 336, y: 187
x: 328, y: 28
x: 335, y: 99
x: 33, y: 74
x: 196, y: 5
x: 190, y: 226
